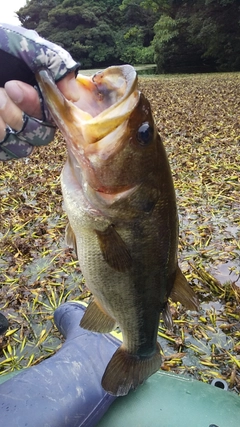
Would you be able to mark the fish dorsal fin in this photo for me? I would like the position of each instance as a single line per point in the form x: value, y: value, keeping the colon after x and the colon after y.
x: 96, y: 319
x: 70, y: 238
x: 183, y: 293
x: 114, y: 250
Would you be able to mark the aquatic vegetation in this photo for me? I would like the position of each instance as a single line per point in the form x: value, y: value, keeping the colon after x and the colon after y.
x: 198, y: 119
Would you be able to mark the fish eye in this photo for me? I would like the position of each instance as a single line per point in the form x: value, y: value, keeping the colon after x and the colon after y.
x: 145, y: 134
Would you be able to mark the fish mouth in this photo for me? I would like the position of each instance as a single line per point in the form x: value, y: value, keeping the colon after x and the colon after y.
x: 106, y: 89
x: 95, y: 126
x: 106, y: 100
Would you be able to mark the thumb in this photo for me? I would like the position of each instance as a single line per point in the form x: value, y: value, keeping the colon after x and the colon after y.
x: 69, y: 87
x: 25, y: 97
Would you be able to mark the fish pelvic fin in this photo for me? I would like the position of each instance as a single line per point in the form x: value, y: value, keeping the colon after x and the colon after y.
x: 126, y: 371
x: 96, y: 319
x: 114, y: 249
x: 70, y: 238
x: 167, y: 317
x: 183, y: 293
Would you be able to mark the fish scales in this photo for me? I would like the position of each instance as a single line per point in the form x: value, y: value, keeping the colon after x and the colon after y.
x: 120, y: 201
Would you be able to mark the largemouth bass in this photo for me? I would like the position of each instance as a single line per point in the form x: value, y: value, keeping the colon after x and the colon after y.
x: 120, y: 201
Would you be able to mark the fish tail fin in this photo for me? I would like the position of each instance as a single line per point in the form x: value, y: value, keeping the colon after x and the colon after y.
x: 183, y: 293
x: 126, y: 371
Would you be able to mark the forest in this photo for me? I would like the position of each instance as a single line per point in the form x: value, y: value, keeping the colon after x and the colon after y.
x: 176, y: 35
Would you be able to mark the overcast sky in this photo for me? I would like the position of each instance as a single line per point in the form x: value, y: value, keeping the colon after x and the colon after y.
x: 8, y: 14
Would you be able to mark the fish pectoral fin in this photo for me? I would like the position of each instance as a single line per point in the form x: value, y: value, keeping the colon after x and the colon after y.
x: 167, y: 317
x: 126, y: 371
x: 96, y: 319
x: 114, y: 250
x: 70, y: 238
x: 183, y: 293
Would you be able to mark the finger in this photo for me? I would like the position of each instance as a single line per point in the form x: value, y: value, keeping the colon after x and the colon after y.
x: 25, y: 97
x: 2, y: 129
x: 69, y: 87
x: 9, y: 112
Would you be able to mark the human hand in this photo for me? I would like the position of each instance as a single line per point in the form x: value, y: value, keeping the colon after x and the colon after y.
x: 24, y: 119
x: 21, y: 121
x: 27, y: 53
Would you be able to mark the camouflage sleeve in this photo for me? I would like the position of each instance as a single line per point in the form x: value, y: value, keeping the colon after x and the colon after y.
x: 25, y: 52
x: 35, y: 51
x: 34, y: 132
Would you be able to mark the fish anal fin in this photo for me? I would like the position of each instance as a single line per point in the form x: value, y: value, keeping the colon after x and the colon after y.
x: 126, y: 371
x: 114, y: 250
x: 96, y: 319
x: 70, y: 238
x: 183, y: 293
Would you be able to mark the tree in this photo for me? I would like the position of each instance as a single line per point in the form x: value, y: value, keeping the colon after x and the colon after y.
x: 200, y: 35
x: 85, y: 28
x: 136, y: 33
x: 179, y: 35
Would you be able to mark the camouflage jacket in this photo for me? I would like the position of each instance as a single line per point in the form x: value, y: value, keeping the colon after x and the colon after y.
x: 23, y: 52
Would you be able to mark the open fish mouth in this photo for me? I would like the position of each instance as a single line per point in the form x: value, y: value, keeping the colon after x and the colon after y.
x: 95, y: 127
x: 107, y: 99
x: 106, y: 89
